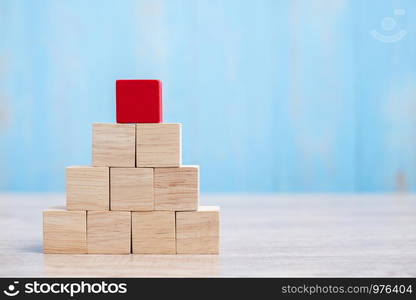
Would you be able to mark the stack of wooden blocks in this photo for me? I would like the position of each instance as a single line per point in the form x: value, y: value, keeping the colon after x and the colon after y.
x: 136, y: 197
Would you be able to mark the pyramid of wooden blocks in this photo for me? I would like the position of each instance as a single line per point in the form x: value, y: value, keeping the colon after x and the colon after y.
x: 136, y: 197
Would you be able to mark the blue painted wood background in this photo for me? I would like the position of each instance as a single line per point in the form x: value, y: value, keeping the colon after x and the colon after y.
x: 274, y: 96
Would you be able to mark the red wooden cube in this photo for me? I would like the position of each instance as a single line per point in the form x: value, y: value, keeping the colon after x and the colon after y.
x: 139, y: 101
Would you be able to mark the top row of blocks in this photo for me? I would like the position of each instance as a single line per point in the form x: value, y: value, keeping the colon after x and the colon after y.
x: 139, y: 101
x: 136, y: 145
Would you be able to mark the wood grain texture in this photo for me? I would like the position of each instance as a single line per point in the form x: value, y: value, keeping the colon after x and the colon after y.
x: 327, y: 235
x: 64, y: 231
x: 158, y: 145
x: 198, y: 232
x: 113, y: 145
x: 153, y: 232
x: 131, y: 189
x: 87, y: 188
x: 109, y: 232
x: 176, y: 189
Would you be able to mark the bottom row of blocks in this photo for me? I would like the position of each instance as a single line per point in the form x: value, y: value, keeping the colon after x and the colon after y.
x: 119, y: 232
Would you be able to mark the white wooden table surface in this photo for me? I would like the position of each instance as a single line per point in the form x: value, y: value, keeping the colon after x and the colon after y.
x: 273, y: 235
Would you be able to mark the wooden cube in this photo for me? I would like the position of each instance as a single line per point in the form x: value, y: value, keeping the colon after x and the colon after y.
x: 176, y: 189
x: 131, y: 189
x: 64, y: 231
x: 138, y: 101
x: 109, y: 232
x: 114, y: 145
x: 87, y: 188
x: 153, y: 232
x: 158, y: 145
x: 197, y: 232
